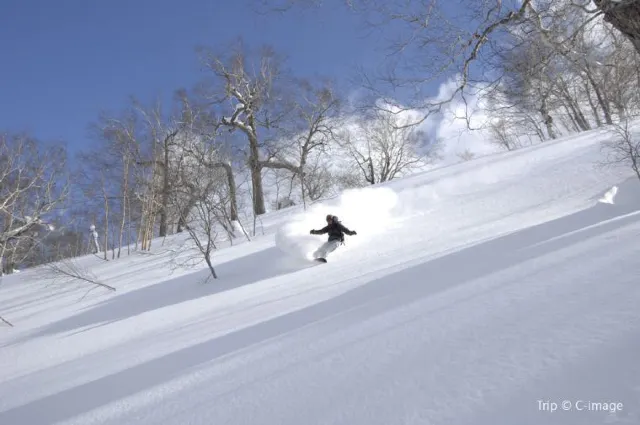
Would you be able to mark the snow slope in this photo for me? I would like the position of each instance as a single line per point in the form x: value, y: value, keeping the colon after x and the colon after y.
x: 482, y: 293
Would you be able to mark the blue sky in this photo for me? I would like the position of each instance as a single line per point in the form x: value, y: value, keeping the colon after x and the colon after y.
x: 64, y: 61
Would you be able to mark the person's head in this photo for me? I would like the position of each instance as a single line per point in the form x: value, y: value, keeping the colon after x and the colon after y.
x: 331, y: 219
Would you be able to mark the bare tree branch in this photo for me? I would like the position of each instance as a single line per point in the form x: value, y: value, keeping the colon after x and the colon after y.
x: 624, y: 148
x: 69, y: 269
x: 6, y: 321
x: 383, y: 148
x: 33, y: 184
x: 460, y: 40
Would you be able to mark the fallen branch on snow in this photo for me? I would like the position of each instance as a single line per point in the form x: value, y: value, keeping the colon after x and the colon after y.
x: 6, y: 321
x: 69, y: 269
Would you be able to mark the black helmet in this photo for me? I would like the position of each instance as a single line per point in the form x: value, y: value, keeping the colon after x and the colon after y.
x: 332, y: 218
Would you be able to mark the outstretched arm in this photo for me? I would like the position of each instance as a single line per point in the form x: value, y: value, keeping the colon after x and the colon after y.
x: 325, y: 229
x: 347, y: 231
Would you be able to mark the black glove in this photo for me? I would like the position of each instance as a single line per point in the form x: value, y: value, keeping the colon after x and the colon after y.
x: 354, y: 233
x: 313, y: 232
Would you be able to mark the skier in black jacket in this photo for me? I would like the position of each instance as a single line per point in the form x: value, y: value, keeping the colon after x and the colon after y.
x: 336, y: 231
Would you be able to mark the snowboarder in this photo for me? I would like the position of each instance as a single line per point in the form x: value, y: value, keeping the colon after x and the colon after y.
x: 336, y: 231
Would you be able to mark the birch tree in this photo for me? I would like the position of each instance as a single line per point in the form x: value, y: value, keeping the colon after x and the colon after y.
x: 162, y: 139
x: 135, y: 170
x: 202, y: 143
x: 116, y: 162
x: 207, y: 220
x: 33, y: 184
x: 562, y: 70
x: 253, y: 100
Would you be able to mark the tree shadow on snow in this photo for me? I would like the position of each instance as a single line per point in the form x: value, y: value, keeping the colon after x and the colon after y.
x: 262, y: 265
x: 375, y: 298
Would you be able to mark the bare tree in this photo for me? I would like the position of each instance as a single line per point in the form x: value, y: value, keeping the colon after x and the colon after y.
x: 319, y: 181
x: 206, y: 221
x: 624, y: 147
x: 384, y: 148
x: 204, y: 170
x: 95, y: 179
x: 284, y: 183
x: 316, y: 118
x: 137, y: 164
x: 147, y: 195
x: 620, y: 75
x: 162, y: 137
x: 202, y: 142
x: 561, y: 70
x: 461, y: 40
x: 256, y: 103
x: 432, y: 42
x: 34, y: 182
x: 507, y: 132
x: 119, y: 181
x: 122, y: 146
x: 523, y: 104
x: 283, y: 126
x: 205, y: 194
x: 568, y: 35
x: 68, y: 270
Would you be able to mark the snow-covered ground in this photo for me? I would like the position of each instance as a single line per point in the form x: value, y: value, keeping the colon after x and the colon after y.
x: 498, y: 291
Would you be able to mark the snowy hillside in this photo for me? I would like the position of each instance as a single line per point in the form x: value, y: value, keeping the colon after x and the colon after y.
x: 488, y: 292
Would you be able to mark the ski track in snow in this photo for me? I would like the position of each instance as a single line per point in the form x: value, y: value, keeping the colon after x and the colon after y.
x: 471, y: 295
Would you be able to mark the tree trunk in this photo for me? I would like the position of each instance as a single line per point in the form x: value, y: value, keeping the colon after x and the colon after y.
x: 302, y: 190
x: 125, y: 193
x: 599, y: 96
x: 207, y: 258
x: 2, y: 260
x: 184, y: 214
x: 570, y: 102
x: 570, y: 116
x: 547, y: 119
x: 594, y: 108
x: 129, y: 224
x: 106, y: 227
x: 233, y: 197
x: 258, y: 192
x: 165, y: 194
x: 536, y: 127
x: 624, y: 16
x: 256, y: 177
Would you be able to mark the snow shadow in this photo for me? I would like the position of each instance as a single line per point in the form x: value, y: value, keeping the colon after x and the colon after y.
x: 377, y: 297
x: 242, y: 271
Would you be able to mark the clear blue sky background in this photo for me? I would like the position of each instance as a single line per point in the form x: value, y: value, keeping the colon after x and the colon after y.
x: 64, y: 61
